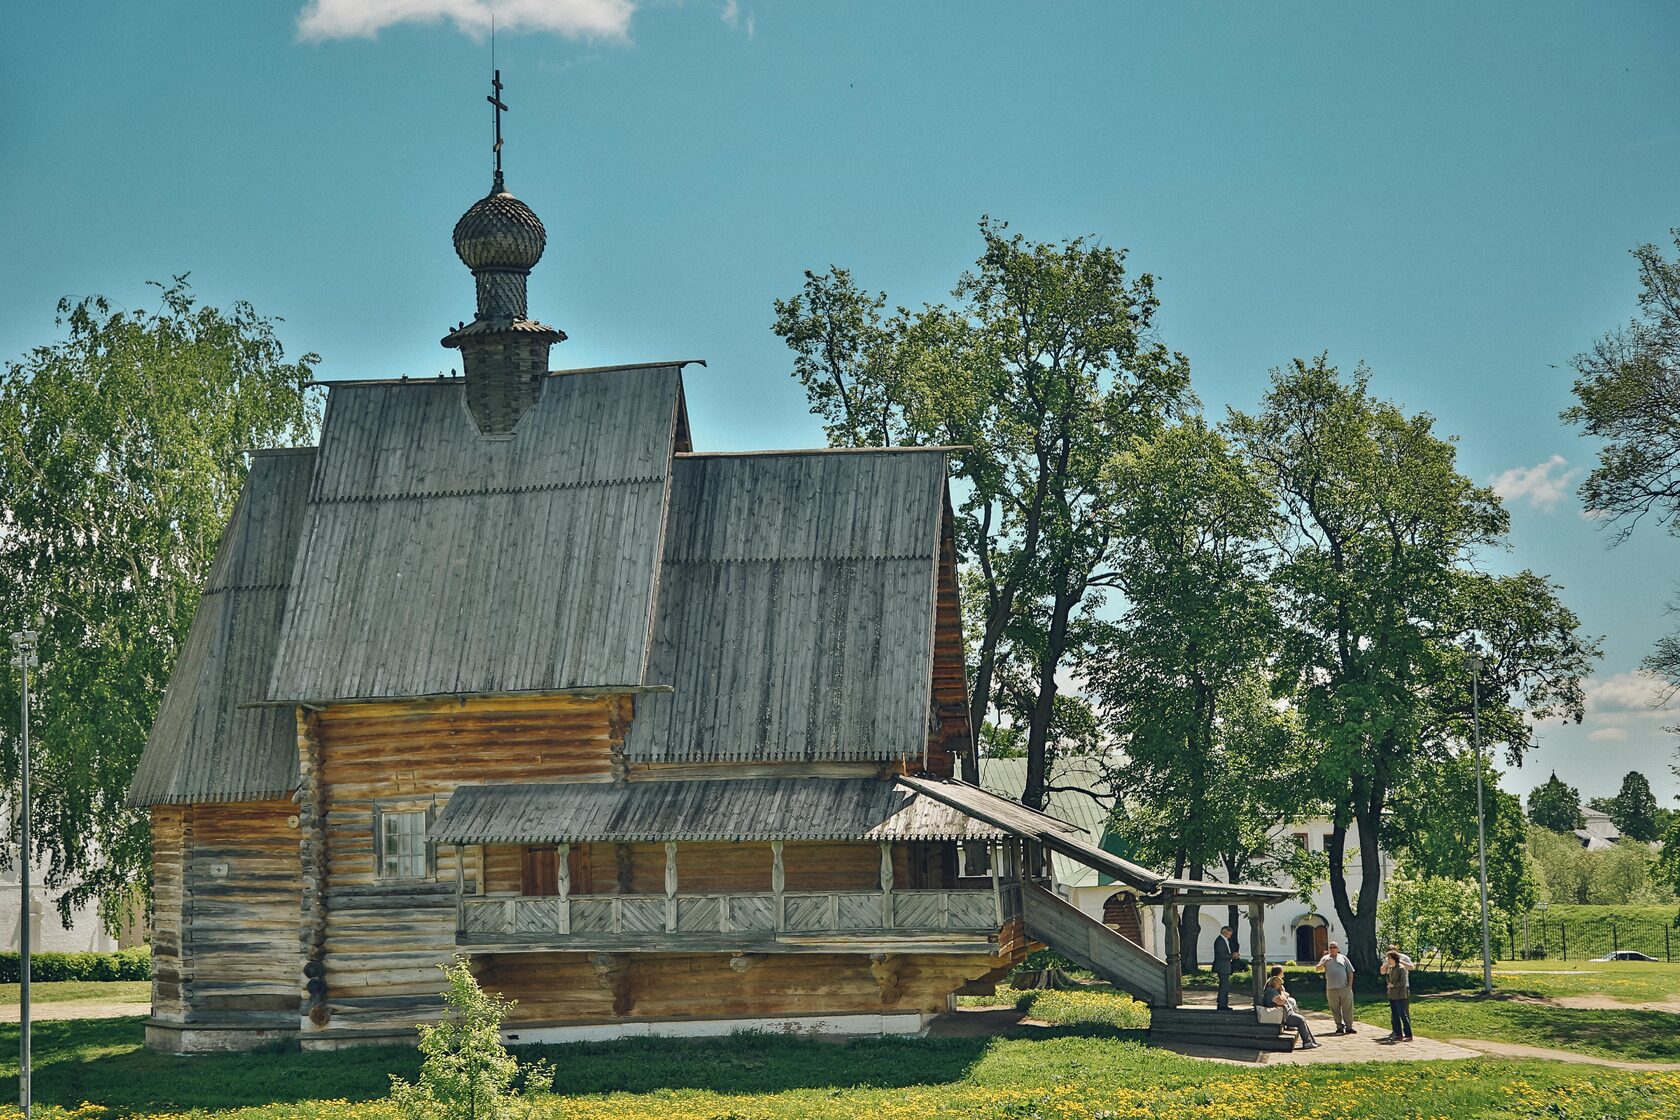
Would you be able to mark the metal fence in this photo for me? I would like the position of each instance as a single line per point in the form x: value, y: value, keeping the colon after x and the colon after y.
x: 1553, y: 939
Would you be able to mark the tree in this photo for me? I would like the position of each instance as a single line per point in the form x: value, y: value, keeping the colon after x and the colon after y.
x: 1381, y: 593
x: 1046, y: 365
x: 120, y: 459
x: 1628, y: 392
x: 1556, y: 806
x: 1179, y: 675
x: 1634, y: 809
x: 465, y: 1071
x: 1435, y: 832
x: 1428, y: 916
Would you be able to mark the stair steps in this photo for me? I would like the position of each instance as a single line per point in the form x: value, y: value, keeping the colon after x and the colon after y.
x: 1206, y: 1026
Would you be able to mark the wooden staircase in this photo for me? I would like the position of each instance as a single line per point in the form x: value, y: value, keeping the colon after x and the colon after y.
x: 1207, y: 1026
x: 1090, y: 944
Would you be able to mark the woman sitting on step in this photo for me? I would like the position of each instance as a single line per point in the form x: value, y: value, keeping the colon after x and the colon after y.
x: 1274, y: 994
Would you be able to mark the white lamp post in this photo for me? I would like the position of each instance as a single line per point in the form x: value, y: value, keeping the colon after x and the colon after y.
x: 25, y: 659
x: 1474, y: 661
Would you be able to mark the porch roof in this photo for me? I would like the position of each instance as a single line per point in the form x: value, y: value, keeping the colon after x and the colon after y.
x: 715, y: 810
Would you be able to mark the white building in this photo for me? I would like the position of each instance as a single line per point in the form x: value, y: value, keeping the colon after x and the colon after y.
x: 1295, y: 931
x: 47, y: 932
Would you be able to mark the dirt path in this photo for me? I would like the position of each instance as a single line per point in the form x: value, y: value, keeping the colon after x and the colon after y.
x: 1522, y: 1050
x: 87, y: 1009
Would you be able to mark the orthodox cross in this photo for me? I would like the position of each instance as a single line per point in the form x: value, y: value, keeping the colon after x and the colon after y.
x: 495, y: 99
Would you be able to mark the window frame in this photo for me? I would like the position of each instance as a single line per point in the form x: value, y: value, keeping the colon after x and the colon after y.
x: 427, y: 810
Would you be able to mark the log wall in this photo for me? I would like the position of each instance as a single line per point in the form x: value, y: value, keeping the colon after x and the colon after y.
x: 569, y: 988
x: 948, y: 735
x: 383, y: 940
x: 225, y: 914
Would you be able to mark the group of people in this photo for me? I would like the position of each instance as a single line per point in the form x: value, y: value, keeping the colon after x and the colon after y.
x: 1338, y: 990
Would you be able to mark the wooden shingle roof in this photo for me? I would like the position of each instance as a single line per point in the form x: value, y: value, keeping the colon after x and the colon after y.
x: 205, y: 745
x: 795, y: 615
x: 436, y: 561
x: 750, y: 809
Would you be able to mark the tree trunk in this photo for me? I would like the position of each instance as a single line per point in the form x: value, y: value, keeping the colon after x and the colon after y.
x: 1044, y: 707
x: 1360, y: 923
x: 1190, y: 928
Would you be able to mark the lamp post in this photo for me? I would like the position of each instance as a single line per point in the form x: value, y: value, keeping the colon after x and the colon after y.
x: 1474, y: 661
x: 25, y: 659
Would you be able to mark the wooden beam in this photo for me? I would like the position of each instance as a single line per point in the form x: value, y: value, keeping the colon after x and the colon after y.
x: 1175, y: 959
x: 670, y: 887
x: 778, y: 883
x: 1257, y: 947
x: 887, y: 885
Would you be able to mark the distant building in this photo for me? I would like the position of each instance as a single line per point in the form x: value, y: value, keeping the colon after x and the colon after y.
x: 1294, y: 930
x: 48, y: 933
x: 1598, y: 832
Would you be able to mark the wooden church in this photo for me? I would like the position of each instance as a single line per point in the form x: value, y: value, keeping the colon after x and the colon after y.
x: 661, y: 741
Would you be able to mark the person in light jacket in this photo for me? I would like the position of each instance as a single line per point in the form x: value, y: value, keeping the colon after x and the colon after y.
x: 1274, y: 994
x: 1397, y: 970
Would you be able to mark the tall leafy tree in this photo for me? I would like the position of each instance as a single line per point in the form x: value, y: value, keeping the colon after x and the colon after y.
x: 1634, y: 809
x: 1435, y: 832
x: 120, y: 459
x: 1206, y: 760
x: 1381, y: 594
x: 1044, y: 365
x: 1556, y: 805
x: 1627, y: 389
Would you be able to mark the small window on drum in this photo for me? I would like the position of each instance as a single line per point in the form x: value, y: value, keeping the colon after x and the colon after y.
x: 403, y: 851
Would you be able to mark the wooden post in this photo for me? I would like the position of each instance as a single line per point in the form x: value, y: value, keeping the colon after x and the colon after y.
x: 886, y: 885
x: 670, y: 887
x: 1169, y: 922
x: 1257, y: 947
x: 460, y: 887
x: 997, y: 886
x: 778, y: 883
x: 564, y: 853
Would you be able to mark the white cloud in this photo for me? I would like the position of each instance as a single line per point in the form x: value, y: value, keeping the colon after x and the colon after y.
x: 1625, y: 692
x: 1608, y: 735
x: 575, y: 19
x: 1544, y: 484
x: 732, y: 12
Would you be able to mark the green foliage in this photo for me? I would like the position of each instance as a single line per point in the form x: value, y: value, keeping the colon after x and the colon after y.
x: 1043, y: 368
x: 1555, y: 805
x: 120, y: 459
x: 1429, y: 917
x: 1625, y: 874
x: 465, y: 1071
x: 1634, y: 809
x: 1434, y: 830
x: 124, y: 964
x: 1380, y: 590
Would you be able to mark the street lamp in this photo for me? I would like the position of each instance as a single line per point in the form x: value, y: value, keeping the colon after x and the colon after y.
x: 1474, y: 661
x: 23, y: 660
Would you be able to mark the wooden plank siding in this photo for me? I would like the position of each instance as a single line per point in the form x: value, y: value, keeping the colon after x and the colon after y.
x: 576, y: 988
x: 383, y: 939
x: 949, y: 737
x: 225, y: 914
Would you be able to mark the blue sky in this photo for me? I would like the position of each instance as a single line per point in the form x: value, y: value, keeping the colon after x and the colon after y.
x: 1448, y: 192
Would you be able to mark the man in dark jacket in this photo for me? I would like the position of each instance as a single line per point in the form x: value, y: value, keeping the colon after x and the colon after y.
x: 1224, y: 960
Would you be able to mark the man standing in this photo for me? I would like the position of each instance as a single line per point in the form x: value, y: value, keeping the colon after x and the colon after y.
x: 1224, y: 960
x: 1338, y: 988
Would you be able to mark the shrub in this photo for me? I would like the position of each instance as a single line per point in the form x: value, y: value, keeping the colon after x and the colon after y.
x: 124, y: 964
x: 466, y: 1073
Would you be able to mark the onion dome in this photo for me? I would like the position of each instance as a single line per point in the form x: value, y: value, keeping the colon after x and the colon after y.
x: 499, y: 233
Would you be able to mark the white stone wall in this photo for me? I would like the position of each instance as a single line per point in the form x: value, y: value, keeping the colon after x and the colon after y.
x: 47, y: 933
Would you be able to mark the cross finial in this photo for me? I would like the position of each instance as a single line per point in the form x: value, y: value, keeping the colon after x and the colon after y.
x: 498, y: 109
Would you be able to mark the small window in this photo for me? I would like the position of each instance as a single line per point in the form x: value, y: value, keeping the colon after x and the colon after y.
x: 1301, y: 839
x: 402, y: 845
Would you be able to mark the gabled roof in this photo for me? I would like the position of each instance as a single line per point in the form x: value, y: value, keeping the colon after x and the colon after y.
x: 1007, y: 777
x: 204, y: 745
x: 436, y: 561
x: 796, y: 606
x: 860, y: 809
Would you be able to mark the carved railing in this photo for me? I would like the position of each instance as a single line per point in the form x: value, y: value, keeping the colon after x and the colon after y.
x: 795, y: 913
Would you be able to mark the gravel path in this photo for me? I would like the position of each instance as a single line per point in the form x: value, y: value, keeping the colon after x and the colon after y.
x: 85, y: 1009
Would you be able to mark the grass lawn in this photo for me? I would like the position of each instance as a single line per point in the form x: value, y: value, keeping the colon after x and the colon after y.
x: 1081, y: 1071
x: 82, y: 991
x: 1624, y: 981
